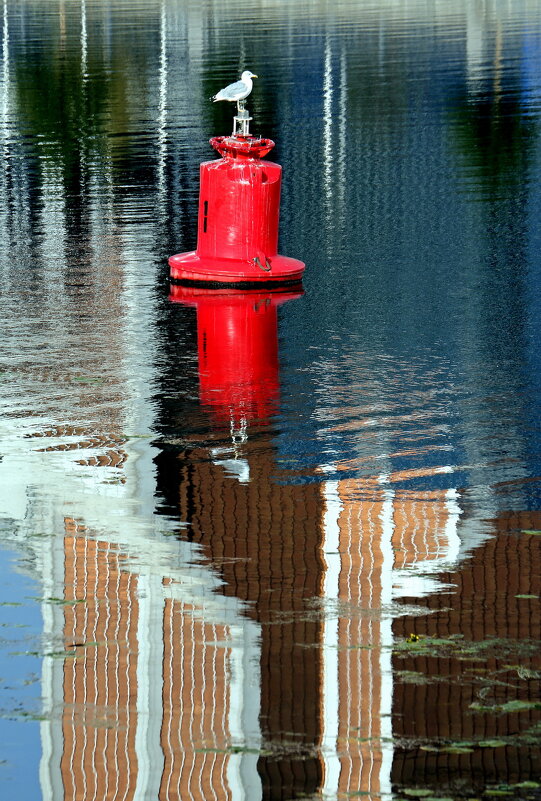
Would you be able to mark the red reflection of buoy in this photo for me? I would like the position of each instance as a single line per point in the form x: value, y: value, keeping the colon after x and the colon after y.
x: 237, y: 335
x: 239, y: 207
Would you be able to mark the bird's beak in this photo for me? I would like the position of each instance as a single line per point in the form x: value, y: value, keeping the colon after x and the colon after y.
x: 254, y: 75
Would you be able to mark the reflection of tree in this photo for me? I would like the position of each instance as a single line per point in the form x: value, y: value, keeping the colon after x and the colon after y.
x: 74, y: 94
x: 493, y: 130
x: 71, y: 116
x: 62, y: 108
x: 495, y: 136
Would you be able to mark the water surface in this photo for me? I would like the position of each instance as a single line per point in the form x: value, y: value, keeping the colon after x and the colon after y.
x: 306, y: 564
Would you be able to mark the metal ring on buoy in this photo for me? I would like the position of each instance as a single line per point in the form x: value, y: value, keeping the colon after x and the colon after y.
x: 268, y: 266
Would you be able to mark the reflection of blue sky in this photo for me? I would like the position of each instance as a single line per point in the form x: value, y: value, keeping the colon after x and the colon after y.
x: 531, y: 86
x: 532, y: 313
x: 20, y: 669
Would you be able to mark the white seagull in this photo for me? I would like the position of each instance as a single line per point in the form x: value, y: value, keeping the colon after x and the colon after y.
x: 238, y: 90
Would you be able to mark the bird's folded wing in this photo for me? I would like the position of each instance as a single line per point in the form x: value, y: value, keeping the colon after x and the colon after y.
x: 233, y: 89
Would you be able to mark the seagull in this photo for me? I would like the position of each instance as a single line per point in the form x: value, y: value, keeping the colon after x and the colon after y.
x: 236, y: 91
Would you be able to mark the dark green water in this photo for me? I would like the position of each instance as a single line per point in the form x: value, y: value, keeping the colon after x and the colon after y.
x: 309, y: 568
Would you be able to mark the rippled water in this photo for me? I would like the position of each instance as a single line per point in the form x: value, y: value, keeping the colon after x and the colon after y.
x: 271, y: 546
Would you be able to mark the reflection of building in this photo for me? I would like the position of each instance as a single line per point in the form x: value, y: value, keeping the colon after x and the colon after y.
x: 177, y: 684
x: 160, y: 686
x: 373, y: 536
x: 99, y: 719
x: 265, y: 539
x: 326, y: 678
x: 491, y: 613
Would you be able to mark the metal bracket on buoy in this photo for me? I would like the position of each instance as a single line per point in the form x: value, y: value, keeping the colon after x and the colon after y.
x: 241, y: 122
x: 267, y: 266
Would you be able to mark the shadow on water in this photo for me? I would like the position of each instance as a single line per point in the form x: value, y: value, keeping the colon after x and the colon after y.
x: 271, y: 546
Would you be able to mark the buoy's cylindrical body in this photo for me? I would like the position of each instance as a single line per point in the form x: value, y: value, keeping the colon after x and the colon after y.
x: 239, y: 210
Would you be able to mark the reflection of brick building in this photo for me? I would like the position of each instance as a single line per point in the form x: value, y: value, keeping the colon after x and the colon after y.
x: 372, y: 533
x: 265, y: 538
x: 316, y: 684
x: 488, y: 583
x: 195, y: 731
x: 114, y: 743
x: 312, y: 682
x: 99, y: 720
x: 326, y: 680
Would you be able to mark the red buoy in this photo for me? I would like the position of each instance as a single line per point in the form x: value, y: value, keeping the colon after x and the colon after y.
x: 239, y: 208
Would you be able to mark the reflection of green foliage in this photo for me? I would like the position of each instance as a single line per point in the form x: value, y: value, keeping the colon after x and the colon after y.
x: 56, y: 100
x: 69, y: 108
x: 61, y: 108
x: 456, y: 646
x: 507, y: 708
x: 495, y: 137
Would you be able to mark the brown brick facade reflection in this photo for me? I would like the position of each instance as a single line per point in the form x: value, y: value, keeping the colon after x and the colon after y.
x: 488, y: 583
x: 100, y: 685
x: 195, y: 733
x: 379, y: 529
x: 100, y: 677
x: 315, y: 564
x: 359, y: 641
x: 264, y: 535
